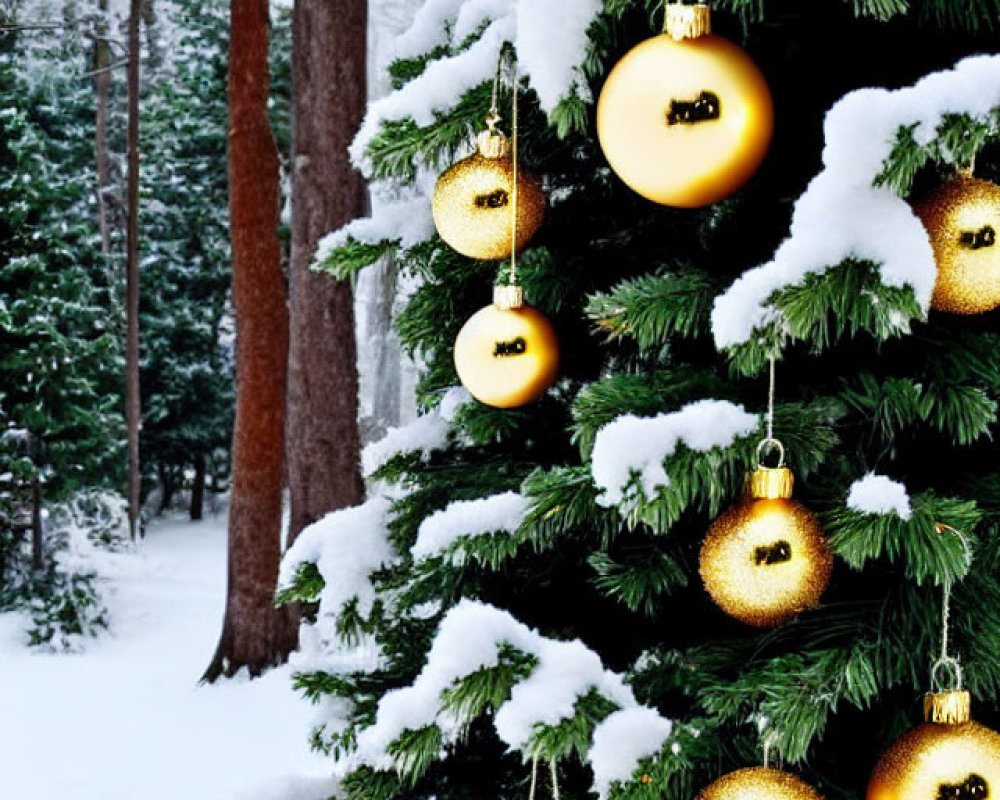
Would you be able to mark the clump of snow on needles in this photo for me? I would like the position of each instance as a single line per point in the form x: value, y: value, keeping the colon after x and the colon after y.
x: 621, y: 741
x: 347, y: 546
x: 463, y: 518
x: 633, y: 447
x: 550, y: 39
x: 400, y: 215
x: 842, y: 215
x: 469, y: 639
x: 877, y: 494
x: 427, y: 433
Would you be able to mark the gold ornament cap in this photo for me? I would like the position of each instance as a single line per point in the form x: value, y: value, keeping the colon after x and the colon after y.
x: 771, y: 483
x: 687, y: 22
x: 948, y: 708
x: 492, y: 144
x: 508, y: 297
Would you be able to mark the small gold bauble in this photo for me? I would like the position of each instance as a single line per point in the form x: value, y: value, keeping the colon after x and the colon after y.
x: 941, y: 760
x: 759, y: 783
x: 765, y: 560
x: 507, y: 353
x: 472, y: 203
x: 685, y: 118
x: 962, y: 218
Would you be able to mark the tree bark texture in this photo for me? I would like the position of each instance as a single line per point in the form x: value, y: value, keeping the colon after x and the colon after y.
x: 255, y: 634
x: 132, y: 401
x: 329, y: 80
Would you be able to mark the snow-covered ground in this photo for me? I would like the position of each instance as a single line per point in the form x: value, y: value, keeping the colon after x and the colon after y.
x: 126, y: 718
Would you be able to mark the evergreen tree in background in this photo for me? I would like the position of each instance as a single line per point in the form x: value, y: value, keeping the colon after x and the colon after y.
x: 59, y: 354
x: 866, y: 383
x: 187, y: 374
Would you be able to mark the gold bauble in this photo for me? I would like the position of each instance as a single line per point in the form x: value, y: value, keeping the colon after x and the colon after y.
x: 759, y: 783
x: 685, y: 118
x: 765, y: 560
x: 473, y: 200
x: 962, y: 218
x: 941, y: 759
x: 507, y: 353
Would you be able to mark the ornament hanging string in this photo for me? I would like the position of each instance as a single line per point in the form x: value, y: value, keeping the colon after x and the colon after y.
x: 945, y: 661
x: 770, y: 402
x: 553, y: 770
x: 769, y: 442
x: 513, y: 148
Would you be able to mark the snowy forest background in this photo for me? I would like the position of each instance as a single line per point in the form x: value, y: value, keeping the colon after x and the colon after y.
x: 64, y: 92
x: 497, y: 589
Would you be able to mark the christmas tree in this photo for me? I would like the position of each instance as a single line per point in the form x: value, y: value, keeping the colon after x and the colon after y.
x: 522, y: 590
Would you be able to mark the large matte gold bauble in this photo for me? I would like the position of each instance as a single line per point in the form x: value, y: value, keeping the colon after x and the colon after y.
x: 759, y: 783
x: 940, y: 761
x: 685, y: 121
x: 963, y: 220
x: 765, y: 560
x: 472, y: 206
x: 507, y: 357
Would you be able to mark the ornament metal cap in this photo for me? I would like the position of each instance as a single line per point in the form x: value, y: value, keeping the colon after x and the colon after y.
x: 771, y: 483
x: 508, y: 297
x: 948, y: 708
x: 687, y: 22
x: 492, y: 144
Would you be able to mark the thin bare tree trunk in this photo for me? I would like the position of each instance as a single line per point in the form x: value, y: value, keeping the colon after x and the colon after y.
x: 198, y: 488
x: 37, y: 543
x: 132, y: 402
x: 329, y: 80
x: 255, y: 634
x: 101, y: 60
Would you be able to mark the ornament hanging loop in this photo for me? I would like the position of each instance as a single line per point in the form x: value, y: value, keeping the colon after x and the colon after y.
x: 769, y: 445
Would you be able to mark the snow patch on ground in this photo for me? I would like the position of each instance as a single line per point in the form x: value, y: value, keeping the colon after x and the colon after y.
x: 630, y: 450
x: 127, y: 718
x: 842, y: 215
x: 877, y: 494
x: 499, y: 513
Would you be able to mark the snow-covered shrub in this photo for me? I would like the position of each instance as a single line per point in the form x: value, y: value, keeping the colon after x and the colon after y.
x: 63, y: 600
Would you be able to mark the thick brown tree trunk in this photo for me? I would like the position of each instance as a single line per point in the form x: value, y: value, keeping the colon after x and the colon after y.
x: 198, y: 489
x: 329, y: 80
x: 255, y: 634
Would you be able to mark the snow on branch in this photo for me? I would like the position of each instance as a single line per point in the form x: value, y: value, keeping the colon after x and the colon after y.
x: 550, y: 38
x: 877, y: 494
x: 621, y: 741
x: 631, y: 450
x: 470, y: 638
x: 499, y: 513
x: 427, y: 433
x: 406, y: 220
x: 842, y: 215
x: 347, y: 546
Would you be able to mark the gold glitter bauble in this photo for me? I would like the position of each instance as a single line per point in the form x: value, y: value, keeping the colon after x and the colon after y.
x: 472, y: 206
x: 507, y: 357
x: 962, y: 218
x: 759, y: 783
x: 765, y: 560
x: 685, y: 118
x: 940, y: 761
